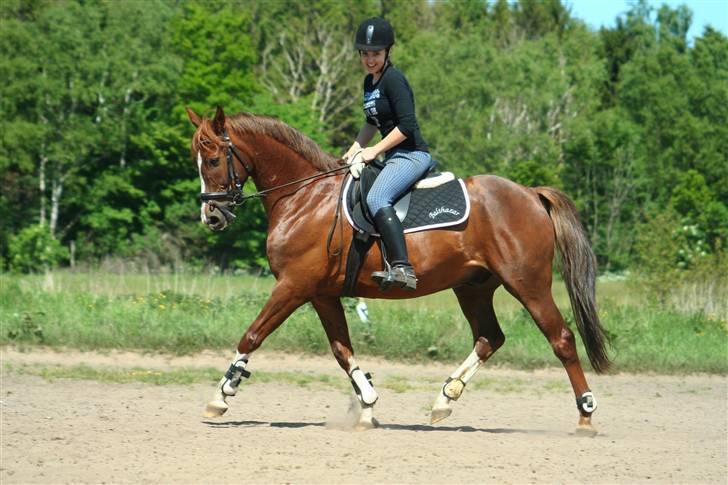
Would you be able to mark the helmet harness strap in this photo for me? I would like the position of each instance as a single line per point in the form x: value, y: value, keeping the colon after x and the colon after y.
x: 386, y: 60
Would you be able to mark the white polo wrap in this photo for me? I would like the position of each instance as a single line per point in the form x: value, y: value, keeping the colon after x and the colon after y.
x: 367, y: 394
x: 234, y: 374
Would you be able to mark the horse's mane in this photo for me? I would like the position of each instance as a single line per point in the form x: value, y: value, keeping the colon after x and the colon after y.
x: 279, y: 131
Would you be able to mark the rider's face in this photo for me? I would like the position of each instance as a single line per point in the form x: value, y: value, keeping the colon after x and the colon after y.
x: 373, y: 61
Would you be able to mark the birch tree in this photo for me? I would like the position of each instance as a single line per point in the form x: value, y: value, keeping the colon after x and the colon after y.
x: 308, y: 53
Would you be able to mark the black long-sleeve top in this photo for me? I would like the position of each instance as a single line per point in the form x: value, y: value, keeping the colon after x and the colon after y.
x: 390, y: 103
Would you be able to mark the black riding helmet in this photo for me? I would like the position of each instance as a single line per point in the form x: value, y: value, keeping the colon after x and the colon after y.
x: 374, y: 34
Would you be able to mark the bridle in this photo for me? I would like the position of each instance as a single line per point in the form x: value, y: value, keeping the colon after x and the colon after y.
x: 234, y: 193
x: 234, y: 196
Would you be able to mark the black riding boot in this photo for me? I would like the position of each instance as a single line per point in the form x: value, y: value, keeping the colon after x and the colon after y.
x: 399, y: 271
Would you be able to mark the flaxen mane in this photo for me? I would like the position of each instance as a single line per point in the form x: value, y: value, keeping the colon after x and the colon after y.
x: 297, y: 141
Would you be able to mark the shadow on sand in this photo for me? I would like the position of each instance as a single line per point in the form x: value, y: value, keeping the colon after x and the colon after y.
x: 393, y: 427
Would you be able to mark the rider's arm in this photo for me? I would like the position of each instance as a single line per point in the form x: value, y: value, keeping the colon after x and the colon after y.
x: 393, y: 138
x: 365, y: 135
x: 401, y: 100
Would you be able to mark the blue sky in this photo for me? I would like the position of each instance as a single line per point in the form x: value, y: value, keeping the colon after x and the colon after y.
x: 597, y: 13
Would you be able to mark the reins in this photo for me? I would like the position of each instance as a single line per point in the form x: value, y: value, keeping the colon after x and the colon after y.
x: 262, y: 193
x: 235, y: 195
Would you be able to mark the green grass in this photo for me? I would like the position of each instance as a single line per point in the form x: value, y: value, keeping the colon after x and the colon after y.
x: 187, y: 313
x: 226, y: 286
x: 206, y: 286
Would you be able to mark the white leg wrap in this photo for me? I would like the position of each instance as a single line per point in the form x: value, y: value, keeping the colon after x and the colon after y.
x: 367, y: 395
x: 587, y: 402
x: 468, y: 368
x: 228, y: 386
x: 230, y: 382
x: 454, y: 386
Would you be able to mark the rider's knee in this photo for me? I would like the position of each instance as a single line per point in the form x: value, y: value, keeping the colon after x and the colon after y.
x: 374, y: 203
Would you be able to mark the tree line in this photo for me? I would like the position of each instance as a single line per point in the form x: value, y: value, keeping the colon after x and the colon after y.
x: 631, y: 121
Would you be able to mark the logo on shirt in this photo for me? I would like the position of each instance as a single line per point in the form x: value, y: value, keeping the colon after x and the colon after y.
x: 370, y: 104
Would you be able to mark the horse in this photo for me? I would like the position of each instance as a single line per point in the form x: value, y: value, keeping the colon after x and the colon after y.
x: 509, y: 240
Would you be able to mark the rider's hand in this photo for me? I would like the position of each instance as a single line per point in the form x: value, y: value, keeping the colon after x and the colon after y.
x: 355, y: 147
x: 356, y: 165
x: 369, y: 154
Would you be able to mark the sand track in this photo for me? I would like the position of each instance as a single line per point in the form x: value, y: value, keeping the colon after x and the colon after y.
x: 509, y: 427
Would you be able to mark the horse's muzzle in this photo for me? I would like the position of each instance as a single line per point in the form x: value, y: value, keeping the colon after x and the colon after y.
x: 220, y: 215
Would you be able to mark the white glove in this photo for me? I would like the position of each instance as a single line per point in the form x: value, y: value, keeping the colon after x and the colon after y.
x: 356, y: 165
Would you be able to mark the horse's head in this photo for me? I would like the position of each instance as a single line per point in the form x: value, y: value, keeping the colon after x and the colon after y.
x: 219, y: 165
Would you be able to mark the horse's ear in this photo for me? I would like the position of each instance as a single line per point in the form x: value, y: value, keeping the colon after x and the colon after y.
x: 218, y: 124
x: 194, y: 117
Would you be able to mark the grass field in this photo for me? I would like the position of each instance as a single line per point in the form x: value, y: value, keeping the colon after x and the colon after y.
x: 183, y: 313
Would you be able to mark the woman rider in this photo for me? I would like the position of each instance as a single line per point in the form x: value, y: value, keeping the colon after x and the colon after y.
x: 389, y: 105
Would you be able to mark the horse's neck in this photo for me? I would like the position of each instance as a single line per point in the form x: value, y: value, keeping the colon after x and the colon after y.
x: 280, y: 166
x: 276, y: 167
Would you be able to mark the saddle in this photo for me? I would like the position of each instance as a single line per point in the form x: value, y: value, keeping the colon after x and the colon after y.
x: 436, y: 201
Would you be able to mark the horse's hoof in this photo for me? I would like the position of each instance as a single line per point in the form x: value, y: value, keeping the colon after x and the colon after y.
x: 215, y: 409
x: 586, y: 430
x: 439, y: 414
x: 366, y: 425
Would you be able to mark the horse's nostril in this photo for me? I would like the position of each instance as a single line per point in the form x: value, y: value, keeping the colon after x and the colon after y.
x: 213, y: 220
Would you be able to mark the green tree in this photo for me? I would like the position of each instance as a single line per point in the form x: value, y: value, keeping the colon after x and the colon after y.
x: 604, y: 174
x: 35, y: 249
x: 709, y: 104
x: 219, y: 69
x: 79, y: 80
x: 665, y: 88
x: 307, y: 52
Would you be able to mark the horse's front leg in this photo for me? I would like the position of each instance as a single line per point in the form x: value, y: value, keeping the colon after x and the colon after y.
x: 333, y: 318
x: 282, y: 302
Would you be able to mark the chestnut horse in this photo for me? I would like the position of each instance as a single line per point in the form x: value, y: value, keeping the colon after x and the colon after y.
x: 509, y: 239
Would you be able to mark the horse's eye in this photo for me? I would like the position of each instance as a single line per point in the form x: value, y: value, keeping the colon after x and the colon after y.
x: 214, y: 162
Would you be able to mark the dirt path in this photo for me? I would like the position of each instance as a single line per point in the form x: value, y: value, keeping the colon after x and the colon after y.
x: 509, y: 427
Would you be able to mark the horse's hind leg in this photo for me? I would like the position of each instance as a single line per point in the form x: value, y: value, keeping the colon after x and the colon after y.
x: 333, y: 318
x: 477, y: 305
x: 540, y: 304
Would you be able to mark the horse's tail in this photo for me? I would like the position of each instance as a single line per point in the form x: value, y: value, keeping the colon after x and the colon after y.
x: 579, y: 270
